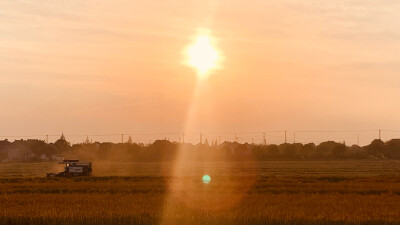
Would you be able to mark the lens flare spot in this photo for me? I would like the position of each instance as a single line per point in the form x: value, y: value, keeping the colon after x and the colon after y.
x: 206, y: 179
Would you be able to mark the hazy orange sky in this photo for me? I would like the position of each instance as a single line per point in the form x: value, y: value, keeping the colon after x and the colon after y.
x: 93, y: 67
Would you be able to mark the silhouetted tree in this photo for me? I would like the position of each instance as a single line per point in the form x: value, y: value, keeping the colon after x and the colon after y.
x: 62, y: 145
x: 339, y: 150
x: 376, y: 148
x: 288, y: 150
x: 392, y: 149
x: 3, y: 156
x: 325, y: 149
x: 308, y: 150
x: 273, y: 150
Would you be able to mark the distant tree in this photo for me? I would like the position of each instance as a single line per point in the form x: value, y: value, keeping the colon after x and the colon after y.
x: 226, y: 150
x: 376, y: 148
x: 288, y: 150
x: 3, y: 156
x: 241, y: 149
x: 104, y: 150
x: 259, y: 151
x: 298, y: 147
x: 161, y: 150
x: 40, y: 147
x: 339, y: 150
x: 206, y: 143
x: 355, y: 148
x: 392, y: 149
x: 62, y: 145
x: 308, y: 150
x: 325, y: 149
x: 273, y: 150
x: 357, y: 152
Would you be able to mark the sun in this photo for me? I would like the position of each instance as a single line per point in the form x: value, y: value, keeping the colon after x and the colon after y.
x: 202, y: 55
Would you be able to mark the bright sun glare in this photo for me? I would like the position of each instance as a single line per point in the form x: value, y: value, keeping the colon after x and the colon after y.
x: 202, y: 55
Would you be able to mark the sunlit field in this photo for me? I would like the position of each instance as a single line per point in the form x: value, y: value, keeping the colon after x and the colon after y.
x: 336, y: 192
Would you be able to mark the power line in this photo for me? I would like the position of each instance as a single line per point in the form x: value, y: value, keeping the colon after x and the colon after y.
x: 333, y: 131
x: 271, y: 135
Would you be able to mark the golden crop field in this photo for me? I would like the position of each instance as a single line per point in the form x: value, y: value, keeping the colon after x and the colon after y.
x: 331, y: 198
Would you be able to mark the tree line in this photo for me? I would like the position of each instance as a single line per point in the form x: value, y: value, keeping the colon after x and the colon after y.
x: 164, y: 150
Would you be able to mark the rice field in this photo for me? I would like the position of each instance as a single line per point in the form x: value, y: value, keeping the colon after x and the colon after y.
x: 290, y: 192
x: 265, y: 168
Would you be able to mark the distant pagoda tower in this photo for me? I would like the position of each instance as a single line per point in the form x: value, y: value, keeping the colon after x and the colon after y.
x: 87, y: 140
x: 130, y: 140
x: 62, y: 136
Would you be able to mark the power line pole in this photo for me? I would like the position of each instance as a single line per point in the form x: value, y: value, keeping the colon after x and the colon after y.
x: 285, y: 136
x: 294, y: 137
x: 219, y: 140
x: 235, y: 138
x: 122, y: 138
x: 265, y: 140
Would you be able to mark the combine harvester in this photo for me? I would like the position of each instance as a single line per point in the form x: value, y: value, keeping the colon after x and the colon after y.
x: 73, y: 168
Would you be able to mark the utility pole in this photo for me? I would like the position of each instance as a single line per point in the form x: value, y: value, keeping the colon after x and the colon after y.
x: 219, y: 140
x: 380, y: 132
x: 294, y: 137
x: 285, y: 136
x: 122, y: 138
x: 265, y: 140
x: 235, y: 138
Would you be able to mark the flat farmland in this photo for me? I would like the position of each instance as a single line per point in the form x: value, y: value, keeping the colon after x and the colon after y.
x: 266, y: 168
x: 289, y: 192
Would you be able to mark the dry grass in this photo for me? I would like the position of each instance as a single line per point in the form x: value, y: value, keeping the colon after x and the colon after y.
x: 226, y: 200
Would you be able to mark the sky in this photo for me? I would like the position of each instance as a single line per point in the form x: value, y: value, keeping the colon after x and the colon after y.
x: 112, y: 67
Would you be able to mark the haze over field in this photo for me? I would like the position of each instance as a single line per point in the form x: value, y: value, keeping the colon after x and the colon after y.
x: 123, y: 66
x: 199, y: 112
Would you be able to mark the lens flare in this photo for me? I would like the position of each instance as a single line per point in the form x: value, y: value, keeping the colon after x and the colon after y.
x: 206, y: 179
x: 183, y: 190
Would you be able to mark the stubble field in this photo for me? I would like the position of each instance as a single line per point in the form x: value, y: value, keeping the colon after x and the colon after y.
x: 335, y: 193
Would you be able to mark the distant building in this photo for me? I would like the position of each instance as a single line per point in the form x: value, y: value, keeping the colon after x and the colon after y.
x: 62, y: 136
x: 29, y: 156
x: 130, y: 140
x: 43, y: 157
x: 57, y: 158
x: 87, y: 141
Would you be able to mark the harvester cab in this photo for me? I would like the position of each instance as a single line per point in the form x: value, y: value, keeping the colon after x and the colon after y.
x: 73, y: 168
